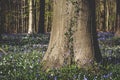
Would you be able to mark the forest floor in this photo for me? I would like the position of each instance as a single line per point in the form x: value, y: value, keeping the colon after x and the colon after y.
x: 22, y: 47
x: 23, y: 43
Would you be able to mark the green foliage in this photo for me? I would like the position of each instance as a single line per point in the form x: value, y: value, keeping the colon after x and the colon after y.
x: 24, y: 43
x: 20, y: 66
x: 110, y: 47
x: 27, y: 66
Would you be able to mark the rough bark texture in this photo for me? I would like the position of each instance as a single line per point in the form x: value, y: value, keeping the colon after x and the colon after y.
x: 71, y: 39
x: 117, y: 34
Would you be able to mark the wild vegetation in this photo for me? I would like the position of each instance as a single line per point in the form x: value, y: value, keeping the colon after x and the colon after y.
x: 59, y: 39
x: 26, y: 52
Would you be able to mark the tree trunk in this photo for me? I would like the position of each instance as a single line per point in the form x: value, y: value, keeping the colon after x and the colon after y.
x: 48, y: 15
x: 72, y: 36
x: 102, y: 15
x: 107, y: 16
x: 41, y: 27
x: 2, y: 18
x: 30, y: 17
x: 117, y: 33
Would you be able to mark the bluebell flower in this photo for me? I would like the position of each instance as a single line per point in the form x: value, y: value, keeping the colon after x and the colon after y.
x: 85, y: 78
x: 37, y: 75
x: 104, y: 35
x: 109, y: 51
x: 108, y: 75
x: 95, y: 78
x: 109, y: 58
x: 55, y: 78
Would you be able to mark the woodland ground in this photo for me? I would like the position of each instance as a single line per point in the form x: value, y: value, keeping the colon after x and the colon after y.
x: 26, y: 51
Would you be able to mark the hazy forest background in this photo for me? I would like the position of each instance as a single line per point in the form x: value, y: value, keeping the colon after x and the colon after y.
x: 59, y: 39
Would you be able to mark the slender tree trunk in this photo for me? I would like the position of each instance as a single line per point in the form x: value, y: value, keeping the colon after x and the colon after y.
x: 34, y: 13
x: 117, y: 33
x: 97, y: 53
x: 2, y: 17
x: 107, y: 16
x: 73, y: 35
x: 41, y: 27
x: 50, y: 8
x: 48, y: 15
x: 26, y: 18
x: 102, y: 15
x: 30, y: 18
x: 0, y: 14
x: 18, y: 16
x: 22, y: 16
x: 98, y: 14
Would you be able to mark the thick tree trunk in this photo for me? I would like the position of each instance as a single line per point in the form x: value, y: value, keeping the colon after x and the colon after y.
x: 72, y: 38
x: 117, y: 34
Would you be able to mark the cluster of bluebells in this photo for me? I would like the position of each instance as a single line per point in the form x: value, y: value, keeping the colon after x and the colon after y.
x: 102, y: 36
x: 109, y: 47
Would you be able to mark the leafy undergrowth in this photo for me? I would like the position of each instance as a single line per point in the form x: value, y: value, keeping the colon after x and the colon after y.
x: 23, y: 43
x: 110, y: 47
x: 27, y: 51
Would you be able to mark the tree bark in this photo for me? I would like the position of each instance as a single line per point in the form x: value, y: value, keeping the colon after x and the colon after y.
x: 72, y: 38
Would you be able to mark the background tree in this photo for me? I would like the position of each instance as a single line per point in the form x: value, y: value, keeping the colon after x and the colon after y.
x: 117, y: 34
x: 1, y: 17
x: 102, y: 15
x: 72, y: 37
x: 106, y: 11
x: 30, y: 18
x: 0, y: 21
x: 16, y: 16
x: 48, y: 15
x: 111, y: 15
x: 41, y: 28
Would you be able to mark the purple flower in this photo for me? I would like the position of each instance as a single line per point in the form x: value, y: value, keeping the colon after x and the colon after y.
x: 108, y: 75
x: 105, y: 35
x: 95, y: 78
x: 85, y: 78
x: 55, y: 78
